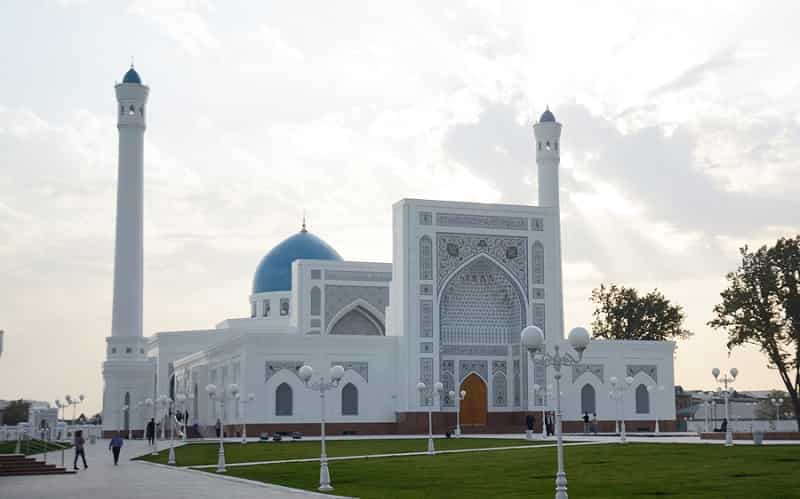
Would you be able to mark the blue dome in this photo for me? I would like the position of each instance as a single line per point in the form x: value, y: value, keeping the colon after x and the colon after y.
x: 274, y: 272
x: 131, y: 77
x: 547, y: 116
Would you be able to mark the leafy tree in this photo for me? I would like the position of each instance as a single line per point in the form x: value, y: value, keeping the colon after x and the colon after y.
x: 622, y: 314
x: 766, y: 409
x: 16, y: 412
x: 761, y: 307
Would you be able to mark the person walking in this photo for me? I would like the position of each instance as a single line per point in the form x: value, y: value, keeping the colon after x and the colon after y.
x: 79, y: 441
x: 115, y: 446
x: 586, y: 423
x: 151, y: 431
x: 218, y: 427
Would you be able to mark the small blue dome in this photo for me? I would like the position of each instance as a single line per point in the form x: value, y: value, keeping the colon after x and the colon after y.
x: 547, y: 116
x: 274, y: 272
x: 131, y: 77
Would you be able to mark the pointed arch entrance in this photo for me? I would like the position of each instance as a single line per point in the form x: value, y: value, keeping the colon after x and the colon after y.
x: 474, y: 407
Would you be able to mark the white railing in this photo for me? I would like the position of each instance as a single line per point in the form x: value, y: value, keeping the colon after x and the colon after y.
x: 61, y: 433
x: 744, y: 425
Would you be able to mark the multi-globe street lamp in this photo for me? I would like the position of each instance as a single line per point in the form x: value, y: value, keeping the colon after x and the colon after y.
x: 658, y: 390
x: 777, y: 402
x: 220, y: 396
x: 532, y: 339
x: 617, y: 393
x: 151, y: 404
x: 423, y: 389
x: 546, y: 393
x: 122, y: 419
x: 306, y: 372
x: 139, y: 413
x: 725, y: 380
x: 74, y: 403
x: 163, y: 406
x: 244, y: 401
x: 458, y: 397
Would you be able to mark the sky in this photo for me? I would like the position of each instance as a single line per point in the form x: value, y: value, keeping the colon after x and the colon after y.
x: 679, y: 145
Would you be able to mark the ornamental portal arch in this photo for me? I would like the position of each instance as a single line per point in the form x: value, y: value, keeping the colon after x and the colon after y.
x: 481, y: 304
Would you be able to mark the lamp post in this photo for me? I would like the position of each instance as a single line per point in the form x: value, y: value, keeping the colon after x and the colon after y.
x: 138, y: 408
x: 170, y: 405
x: 658, y: 390
x: 220, y: 395
x: 618, y: 393
x: 725, y: 380
x: 458, y: 397
x: 438, y: 387
x: 122, y: 419
x: 777, y: 402
x: 74, y: 403
x: 306, y: 372
x: 151, y: 404
x: 548, y: 392
x: 244, y: 401
x: 164, y: 402
x: 532, y: 339
x: 180, y: 398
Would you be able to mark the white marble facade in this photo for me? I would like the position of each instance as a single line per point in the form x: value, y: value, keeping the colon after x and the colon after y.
x: 465, y: 278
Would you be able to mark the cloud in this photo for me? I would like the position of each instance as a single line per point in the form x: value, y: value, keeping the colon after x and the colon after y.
x: 695, y: 74
x: 184, y: 21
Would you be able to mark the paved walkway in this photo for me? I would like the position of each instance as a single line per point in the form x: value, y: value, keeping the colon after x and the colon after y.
x: 136, y: 480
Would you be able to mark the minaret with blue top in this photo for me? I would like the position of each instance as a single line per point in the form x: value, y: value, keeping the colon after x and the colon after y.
x: 548, y: 158
x: 127, y: 372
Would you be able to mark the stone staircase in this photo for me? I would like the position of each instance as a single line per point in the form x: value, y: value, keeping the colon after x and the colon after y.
x: 19, y: 465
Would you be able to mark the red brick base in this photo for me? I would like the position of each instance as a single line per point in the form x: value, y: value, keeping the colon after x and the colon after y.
x: 411, y: 423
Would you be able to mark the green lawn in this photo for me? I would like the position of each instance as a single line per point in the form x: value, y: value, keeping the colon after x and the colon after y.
x: 206, y: 453
x: 30, y: 447
x: 597, y: 472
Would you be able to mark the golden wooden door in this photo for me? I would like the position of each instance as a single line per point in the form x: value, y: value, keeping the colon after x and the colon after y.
x: 474, y: 407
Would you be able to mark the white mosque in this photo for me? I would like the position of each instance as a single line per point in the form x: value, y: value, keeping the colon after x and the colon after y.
x: 464, y: 280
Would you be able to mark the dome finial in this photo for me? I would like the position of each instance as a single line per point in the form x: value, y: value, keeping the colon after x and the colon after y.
x: 303, y: 229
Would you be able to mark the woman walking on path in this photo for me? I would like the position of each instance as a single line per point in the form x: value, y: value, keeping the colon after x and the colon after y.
x: 115, y: 446
x: 79, y: 441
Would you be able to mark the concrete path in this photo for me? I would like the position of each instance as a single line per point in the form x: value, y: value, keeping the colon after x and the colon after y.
x: 396, y: 454
x: 136, y: 480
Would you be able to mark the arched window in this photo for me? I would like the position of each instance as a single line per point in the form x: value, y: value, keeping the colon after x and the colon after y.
x: 642, y: 400
x: 349, y: 400
x: 283, y: 400
x: 126, y: 424
x: 358, y: 321
x: 316, y: 300
x: 588, y: 399
x: 425, y: 258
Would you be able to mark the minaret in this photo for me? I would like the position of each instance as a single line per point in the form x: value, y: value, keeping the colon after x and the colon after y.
x: 127, y: 372
x: 127, y: 312
x: 548, y: 137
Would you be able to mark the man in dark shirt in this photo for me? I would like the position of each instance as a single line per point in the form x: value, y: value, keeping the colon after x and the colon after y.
x: 151, y: 431
x: 115, y: 446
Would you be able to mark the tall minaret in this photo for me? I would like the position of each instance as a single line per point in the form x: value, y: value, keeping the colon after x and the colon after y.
x: 127, y: 372
x: 548, y: 137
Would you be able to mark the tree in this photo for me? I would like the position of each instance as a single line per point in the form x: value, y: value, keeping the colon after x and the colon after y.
x: 16, y: 412
x: 761, y: 307
x: 767, y: 410
x: 621, y: 314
